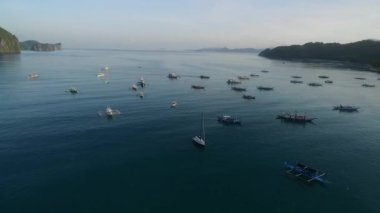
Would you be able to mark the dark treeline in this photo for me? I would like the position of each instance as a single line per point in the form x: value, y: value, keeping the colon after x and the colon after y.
x: 366, y: 52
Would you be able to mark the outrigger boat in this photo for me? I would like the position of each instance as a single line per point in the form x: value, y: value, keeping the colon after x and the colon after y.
x: 73, y: 90
x: 368, y: 85
x: 346, y: 108
x: 33, y: 76
x: 314, y: 84
x: 100, y: 75
x: 296, y: 76
x: 360, y: 78
x: 239, y: 89
x: 204, y: 77
x: 296, y: 82
x: 201, y: 138
x: 265, y: 88
x: 173, y: 76
x: 305, y: 172
x: 264, y: 71
x: 109, y: 112
x: 249, y: 97
x: 295, y: 118
x: 323, y: 76
x: 197, y: 87
x: 233, y: 81
x: 226, y: 119
x: 134, y: 87
x: 329, y: 82
x: 254, y: 75
x: 243, y: 78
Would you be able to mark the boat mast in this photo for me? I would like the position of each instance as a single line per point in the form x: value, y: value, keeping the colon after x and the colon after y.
x: 203, y: 128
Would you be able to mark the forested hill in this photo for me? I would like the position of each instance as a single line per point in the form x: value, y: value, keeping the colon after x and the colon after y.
x: 366, y: 51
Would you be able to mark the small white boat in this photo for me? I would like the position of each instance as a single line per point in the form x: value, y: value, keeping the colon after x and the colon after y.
x: 33, y: 76
x: 201, y: 139
x: 173, y: 104
x: 134, y: 87
x: 101, y: 75
x: 141, y: 94
x: 109, y: 112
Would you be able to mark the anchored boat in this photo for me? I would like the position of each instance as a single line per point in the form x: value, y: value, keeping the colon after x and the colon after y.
x: 314, y: 84
x: 226, y: 119
x: 33, y: 76
x: 197, y: 87
x: 249, y: 97
x: 254, y: 75
x: 368, y: 85
x: 173, y: 104
x: 141, y: 83
x: 329, y: 81
x: 346, y: 108
x: 243, y: 78
x: 73, y: 90
x: 204, y: 77
x: 296, y: 76
x: 323, y: 76
x: 265, y: 88
x: 360, y: 78
x: 296, y: 118
x: 296, y: 82
x: 304, y: 172
x: 239, y: 89
x: 173, y: 76
x: 109, y: 112
x: 233, y: 81
x: 201, y: 138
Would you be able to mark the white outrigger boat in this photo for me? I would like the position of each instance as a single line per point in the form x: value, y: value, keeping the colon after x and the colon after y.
x: 109, y: 112
x: 100, y: 75
x: 33, y: 76
x: 201, y: 139
x: 134, y: 87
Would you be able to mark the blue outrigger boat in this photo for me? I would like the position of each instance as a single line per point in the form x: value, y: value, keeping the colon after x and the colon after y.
x: 305, y: 173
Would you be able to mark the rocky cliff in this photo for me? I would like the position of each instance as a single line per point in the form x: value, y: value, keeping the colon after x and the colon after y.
x: 37, y: 46
x: 8, y: 43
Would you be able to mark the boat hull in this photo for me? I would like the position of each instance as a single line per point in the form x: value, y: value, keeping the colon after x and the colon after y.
x: 199, y: 141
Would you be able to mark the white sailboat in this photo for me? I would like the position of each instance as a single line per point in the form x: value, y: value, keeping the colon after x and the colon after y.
x: 201, y: 139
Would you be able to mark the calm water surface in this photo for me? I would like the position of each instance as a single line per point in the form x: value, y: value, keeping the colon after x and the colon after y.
x: 57, y: 155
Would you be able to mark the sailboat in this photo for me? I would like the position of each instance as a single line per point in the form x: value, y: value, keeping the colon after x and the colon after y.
x: 201, y: 139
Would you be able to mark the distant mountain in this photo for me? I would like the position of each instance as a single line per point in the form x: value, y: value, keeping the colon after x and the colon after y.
x: 37, y: 46
x: 363, y: 52
x: 225, y: 49
x: 8, y: 43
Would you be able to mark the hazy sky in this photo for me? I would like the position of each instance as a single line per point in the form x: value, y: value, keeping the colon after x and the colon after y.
x: 180, y: 24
